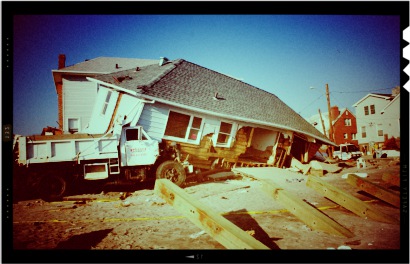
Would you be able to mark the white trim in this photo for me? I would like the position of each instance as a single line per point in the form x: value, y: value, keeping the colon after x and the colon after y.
x: 112, y: 86
x: 188, y: 129
x: 368, y: 95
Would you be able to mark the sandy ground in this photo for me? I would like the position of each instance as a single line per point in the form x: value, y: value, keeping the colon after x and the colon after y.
x: 142, y: 220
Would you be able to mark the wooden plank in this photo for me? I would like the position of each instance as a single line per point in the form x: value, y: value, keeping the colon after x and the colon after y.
x: 348, y: 201
x: 221, y: 229
x: 375, y: 190
x: 308, y: 214
x: 393, y: 179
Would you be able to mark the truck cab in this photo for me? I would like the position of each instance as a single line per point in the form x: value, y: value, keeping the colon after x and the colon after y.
x: 346, y: 152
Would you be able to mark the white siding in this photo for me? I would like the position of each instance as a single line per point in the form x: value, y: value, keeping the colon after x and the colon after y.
x: 370, y: 121
x: 78, y: 100
x: 154, y: 120
x: 100, y: 121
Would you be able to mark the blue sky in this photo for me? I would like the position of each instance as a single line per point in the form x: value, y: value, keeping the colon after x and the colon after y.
x: 291, y: 56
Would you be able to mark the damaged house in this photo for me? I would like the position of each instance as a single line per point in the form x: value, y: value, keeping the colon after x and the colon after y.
x: 213, y: 118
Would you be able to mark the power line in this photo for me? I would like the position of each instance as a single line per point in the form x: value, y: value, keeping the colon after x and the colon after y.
x: 369, y: 91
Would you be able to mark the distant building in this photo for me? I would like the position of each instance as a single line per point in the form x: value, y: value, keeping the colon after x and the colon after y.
x: 378, y: 119
x: 343, y: 122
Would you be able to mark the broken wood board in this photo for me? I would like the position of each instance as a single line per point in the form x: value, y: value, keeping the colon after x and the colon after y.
x: 221, y: 229
x: 374, y: 189
x: 348, y: 201
x: 392, y: 179
x: 307, y: 213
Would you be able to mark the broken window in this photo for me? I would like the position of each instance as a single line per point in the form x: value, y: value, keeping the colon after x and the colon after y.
x: 178, y: 124
x: 366, y: 110
x: 224, y: 133
x: 107, y: 100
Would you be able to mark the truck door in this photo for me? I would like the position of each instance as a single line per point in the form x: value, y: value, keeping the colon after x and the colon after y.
x: 139, y: 148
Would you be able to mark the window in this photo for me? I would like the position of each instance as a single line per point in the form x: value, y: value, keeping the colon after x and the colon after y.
x: 380, y: 130
x: 195, y: 127
x: 353, y: 136
x: 179, y: 124
x: 366, y: 110
x: 107, y: 100
x: 372, y: 110
x: 131, y: 134
x: 73, y: 125
x: 345, y: 135
x: 348, y: 122
x: 224, y: 133
x: 363, y: 132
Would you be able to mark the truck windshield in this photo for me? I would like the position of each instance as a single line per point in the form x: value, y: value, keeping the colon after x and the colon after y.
x: 352, y: 148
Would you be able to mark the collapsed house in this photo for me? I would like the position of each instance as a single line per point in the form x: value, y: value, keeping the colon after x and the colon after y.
x: 213, y: 118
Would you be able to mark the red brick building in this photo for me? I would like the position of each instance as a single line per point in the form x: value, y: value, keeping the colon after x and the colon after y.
x: 344, y: 126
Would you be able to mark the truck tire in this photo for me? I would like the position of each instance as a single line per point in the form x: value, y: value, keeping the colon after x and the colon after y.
x: 51, y: 187
x: 172, y: 171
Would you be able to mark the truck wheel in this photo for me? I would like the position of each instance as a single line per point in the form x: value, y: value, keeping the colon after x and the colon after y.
x: 51, y: 187
x: 172, y: 171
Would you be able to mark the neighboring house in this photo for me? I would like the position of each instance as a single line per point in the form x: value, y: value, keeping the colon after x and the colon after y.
x: 210, y: 116
x: 344, y: 126
x: 76, y: 94
x: 378, y: 118
x: 343, y: 122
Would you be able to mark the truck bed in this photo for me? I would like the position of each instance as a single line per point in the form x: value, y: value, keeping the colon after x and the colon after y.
x: 70, y: 147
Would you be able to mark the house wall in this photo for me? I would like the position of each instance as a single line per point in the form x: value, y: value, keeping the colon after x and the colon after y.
x: 263, y: 139
x: 391, y: 118
x: 370, y: 122
x: 340, y: 128
x: 101, y: 119
x: 77, y: 101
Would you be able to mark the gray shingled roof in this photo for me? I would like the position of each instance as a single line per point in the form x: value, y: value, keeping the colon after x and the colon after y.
x: 108, y: 64
x: 194, y: 86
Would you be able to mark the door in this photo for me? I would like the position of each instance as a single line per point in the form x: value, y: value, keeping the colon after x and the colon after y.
x: 139, y: 149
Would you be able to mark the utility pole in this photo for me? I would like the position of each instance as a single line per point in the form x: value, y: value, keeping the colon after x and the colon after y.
x: 330, y: 120
x: 330, y: 116
x: 323, y: 123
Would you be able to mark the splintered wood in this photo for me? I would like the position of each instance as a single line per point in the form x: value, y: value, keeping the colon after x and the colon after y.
x: 221, y: 229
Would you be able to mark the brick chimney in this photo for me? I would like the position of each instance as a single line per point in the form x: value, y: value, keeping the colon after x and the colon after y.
x: 334, y: 112
x: 61, y: 61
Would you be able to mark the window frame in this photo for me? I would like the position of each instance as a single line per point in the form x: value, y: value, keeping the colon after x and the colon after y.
x: 78, y: 124
x: 380, y: 129
x: 348, y: 122
x: 186, y: 138
x: 372, y: 109
x: 227, y: 144
x: 363, y: 131
x: 106, y: 103
x: 366, y: 110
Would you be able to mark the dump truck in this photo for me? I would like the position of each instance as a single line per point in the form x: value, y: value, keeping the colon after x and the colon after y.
x: 52, y: 164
